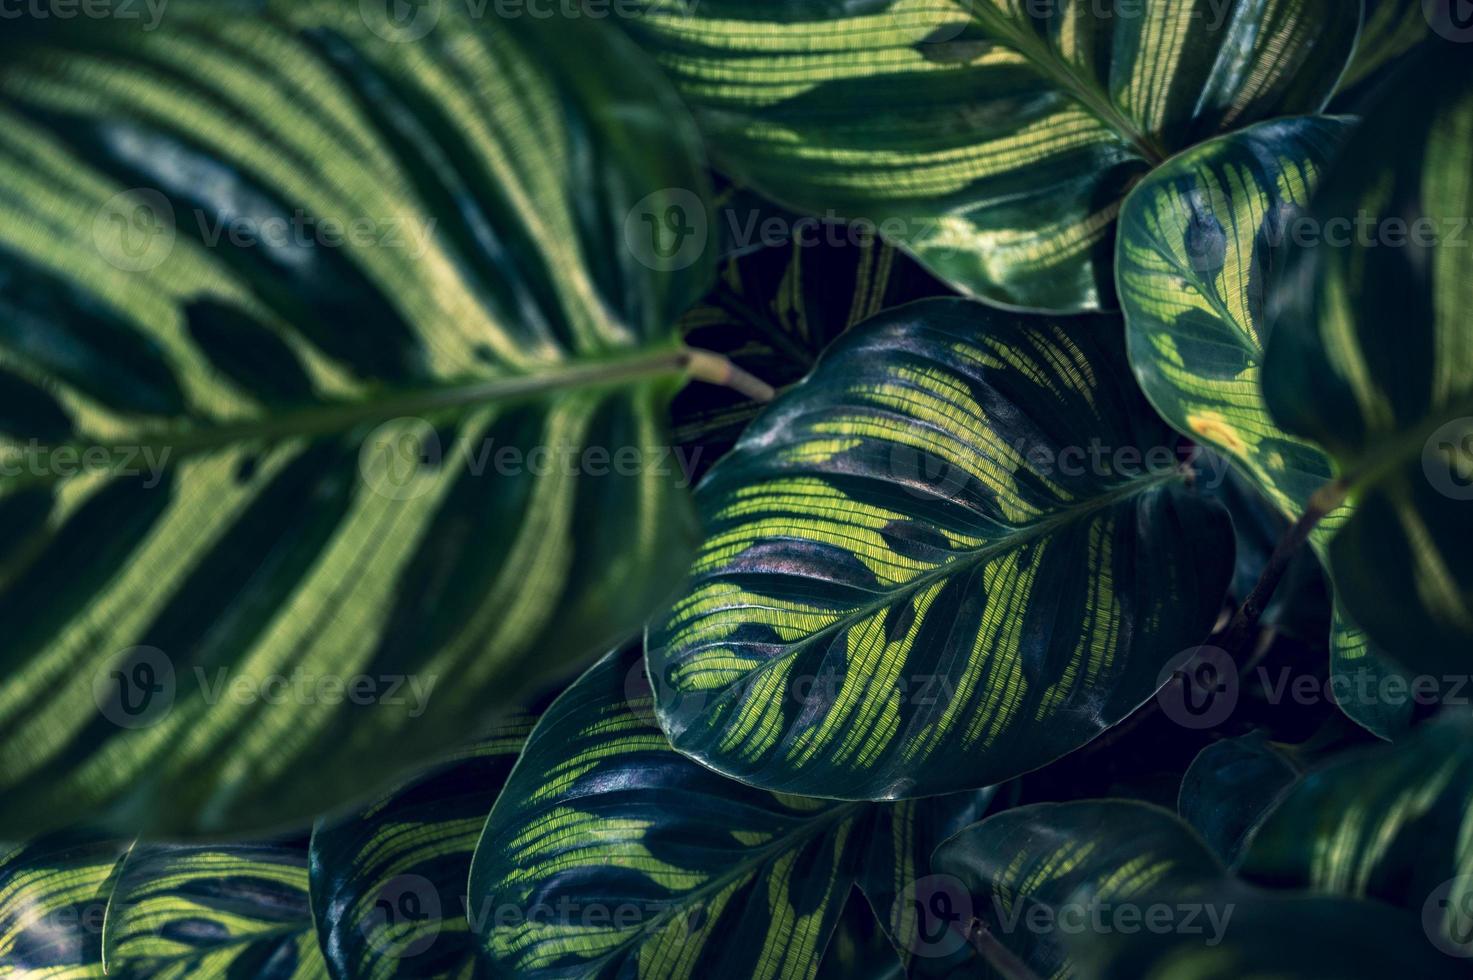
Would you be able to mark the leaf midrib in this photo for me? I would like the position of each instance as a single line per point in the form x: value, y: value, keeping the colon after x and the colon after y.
x: 330, y: 417
x: 966, y: 561
x: 1043, y: 60
x: 784, y: 842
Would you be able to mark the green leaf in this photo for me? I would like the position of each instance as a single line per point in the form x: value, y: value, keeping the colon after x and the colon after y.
x: 212, y: 911
x: 388, y: 882
x: 609, y: 854
x: 994, y: 140
x: 859, y: 949
x: 1372, y: 358
x: 1035, y: 873
x: 1283, y: 938
x: 1229, y: 787
x: 1203, y: 241
x: 1390, y: 29
x: 1387, y: 824
x: 774, y: 310
x: 321, y: 500
x: 53, y: 903
x: 1121, y: 890
x: 959, y: 550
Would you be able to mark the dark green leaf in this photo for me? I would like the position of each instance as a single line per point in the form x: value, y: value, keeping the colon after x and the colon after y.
x: 413, y: 274
x: 1388, y: 824
x: 610, y: 854
x: 212, y: 913
x: 995, y: 139
x: 53, y: 904
x: 1203, y: 241
x: 389, y: 882
x: 1372, y: 358
x: 1229, y: 787
x: 959, y: 550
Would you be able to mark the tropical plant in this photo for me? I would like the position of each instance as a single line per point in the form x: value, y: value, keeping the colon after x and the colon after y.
x: 922, y: 488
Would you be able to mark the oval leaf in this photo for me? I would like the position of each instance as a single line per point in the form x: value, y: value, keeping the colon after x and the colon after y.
x: 610, y: 854
x: 53, y: 905
x: 202, y: 912
x: 388, y: 882
x: 1203, y: 241
x: 290, y: 291
x: 993, y: 139
x: 1229, y: 787
x: 1387, y: 824
x: 918, y: 577
x: 1031, y: 874
x: 1372, y: 357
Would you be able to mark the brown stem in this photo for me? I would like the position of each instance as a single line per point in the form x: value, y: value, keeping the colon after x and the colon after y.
x: 1245, y: 620
x: 999, y: 957
x: 714, y: 369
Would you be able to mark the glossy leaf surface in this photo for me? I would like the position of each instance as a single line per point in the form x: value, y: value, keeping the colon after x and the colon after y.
x: 994, y: 139
x: 960, y: 549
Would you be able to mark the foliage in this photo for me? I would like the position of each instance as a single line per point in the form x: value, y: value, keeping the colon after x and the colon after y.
x: 915, y: 488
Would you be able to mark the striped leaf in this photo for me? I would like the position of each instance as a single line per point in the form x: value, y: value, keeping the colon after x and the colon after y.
x: 609, y: 854
x: 211, y: 911
x: 1052, y: 860
x: 326, y: 316
x: 1372, y: 358
x: 1203, y: 240
x: 1389, y: 30
x: 1121, y: 890
x: 1388, y: 824
x: 388, y: 882
x: 1230, y: 786
x: 959, y: 550
x: 53, y: 904
x: 994, y: 139
x: 773, y: 310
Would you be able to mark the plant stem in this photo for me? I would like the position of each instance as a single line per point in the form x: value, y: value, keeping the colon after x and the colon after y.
x: 1245, y: 620
x: 999, y: 957
x: 714, y: 369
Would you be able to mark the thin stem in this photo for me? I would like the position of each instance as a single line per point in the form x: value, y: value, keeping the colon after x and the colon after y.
x: 999, y: 957
x: 714, y: 369
x: 1245, y: 620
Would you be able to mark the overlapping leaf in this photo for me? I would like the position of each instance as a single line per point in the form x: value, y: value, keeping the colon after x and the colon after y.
x: 993, y: 138
x: 211, y: 911
x: 1124, y: 890
x: 609, y: 854
x: 53, y: 903
x: 774, y: 309
x: 1030, y: 873
x: 1229, y: 787
x: 1371, y: 356
x: 1389, y: 824
x: 1389, y: 29
x: 959, y: 550
x: 1202, y: 242
x: 389, y: 881
x: 289, y: 286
